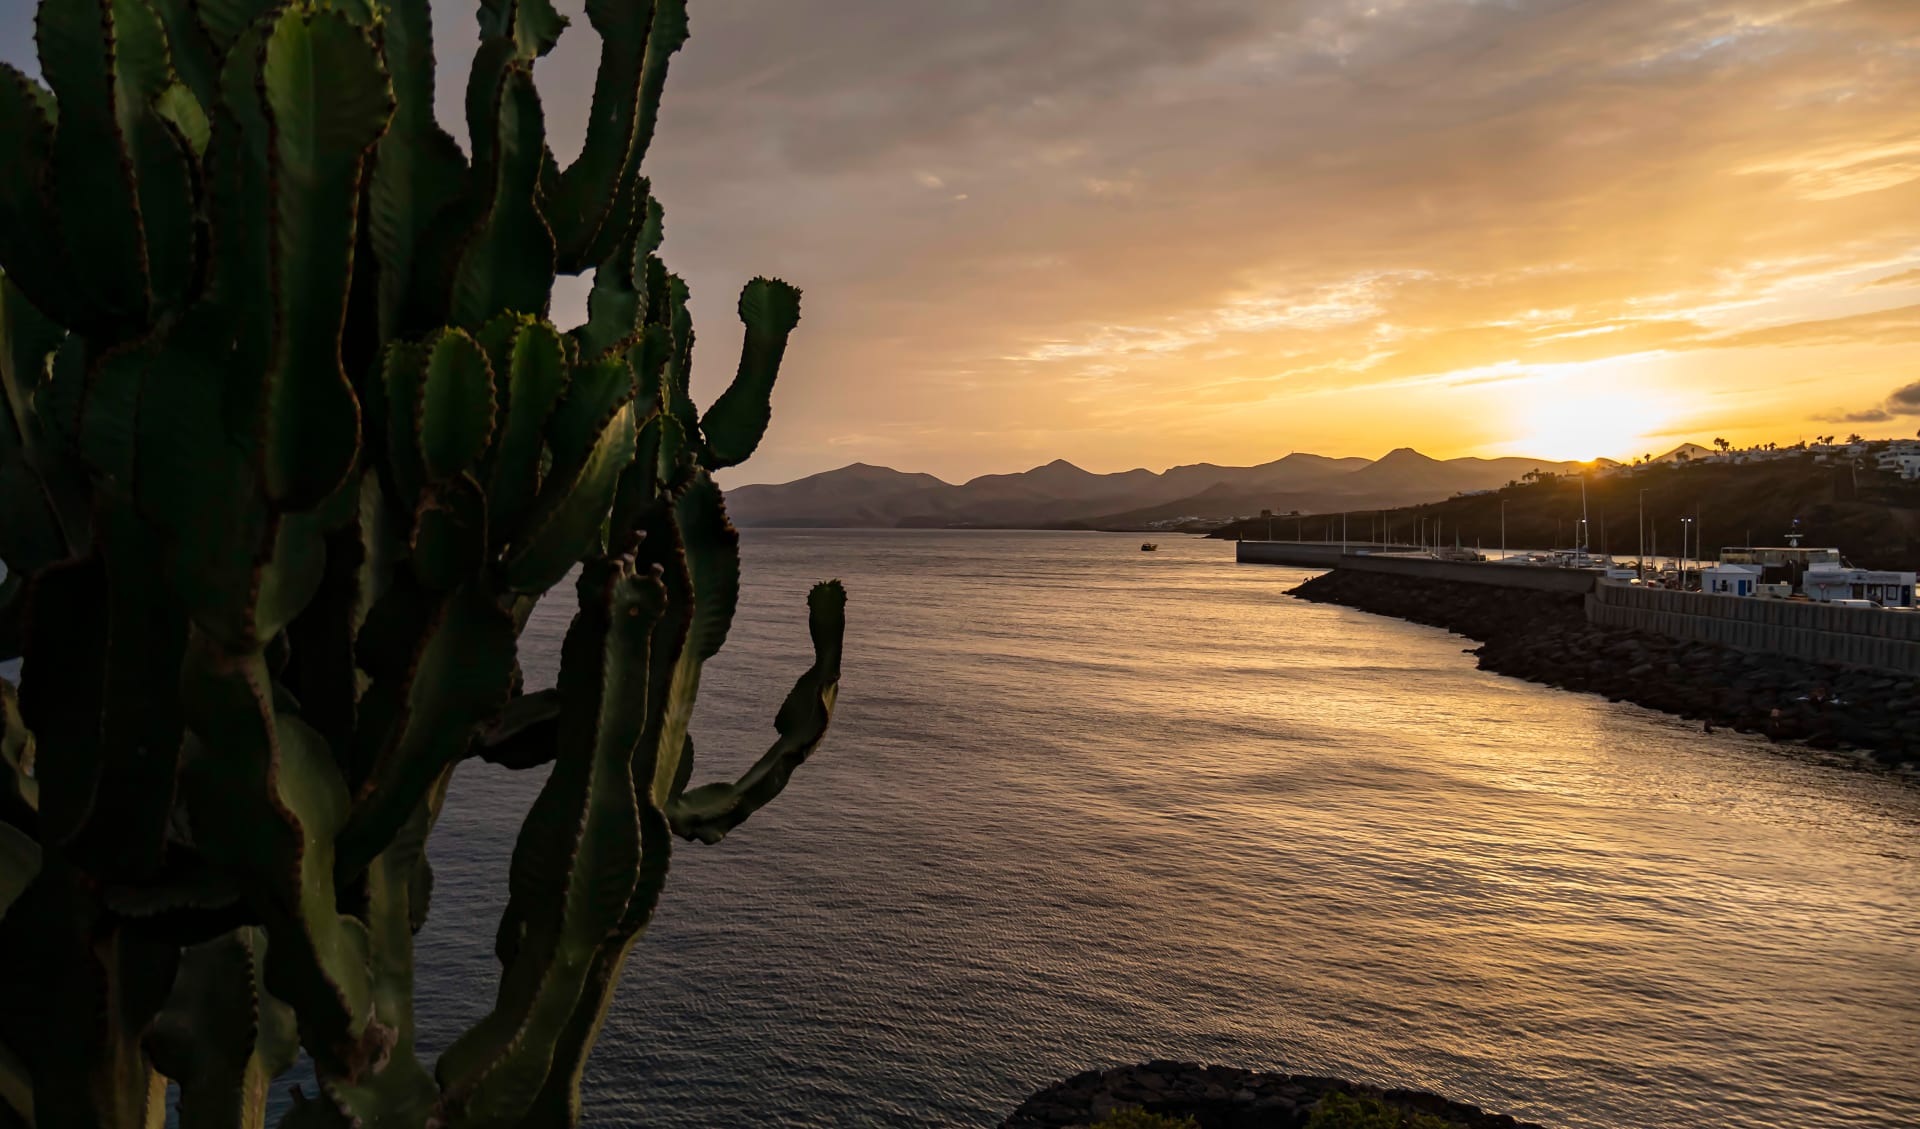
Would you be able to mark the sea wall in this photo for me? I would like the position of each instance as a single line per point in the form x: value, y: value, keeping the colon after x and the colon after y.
x: 1546, y: 637
x: 1819, y: 633
x: 1221, y: 1097
x: 1307, y: 554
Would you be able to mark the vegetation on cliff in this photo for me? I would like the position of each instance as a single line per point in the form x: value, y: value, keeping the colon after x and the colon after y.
x: 1870, y: 515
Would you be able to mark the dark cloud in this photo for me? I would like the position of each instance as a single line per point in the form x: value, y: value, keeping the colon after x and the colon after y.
x: 1905, y: 400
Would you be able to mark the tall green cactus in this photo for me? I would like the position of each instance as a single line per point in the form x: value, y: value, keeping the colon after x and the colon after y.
x: 289, y: 451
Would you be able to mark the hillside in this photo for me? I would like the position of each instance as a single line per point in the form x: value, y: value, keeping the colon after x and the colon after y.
x: 1874, y: 518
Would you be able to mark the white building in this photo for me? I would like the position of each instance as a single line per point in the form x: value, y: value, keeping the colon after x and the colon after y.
x: 1827, y: 583
x: 1906, y: 466
x: 1731, y: 579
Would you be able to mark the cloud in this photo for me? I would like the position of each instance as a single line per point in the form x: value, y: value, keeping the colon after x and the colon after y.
x: 1128, y: 231
x: 1899, y: 326
x: 1904, y: 279
x: 1902, y: 401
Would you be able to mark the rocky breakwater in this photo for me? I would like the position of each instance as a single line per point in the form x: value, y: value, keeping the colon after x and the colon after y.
x: 1222, y: 1097
x: 1545, y: 637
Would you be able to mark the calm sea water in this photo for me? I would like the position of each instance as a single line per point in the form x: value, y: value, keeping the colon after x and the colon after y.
x: 1086, y: 805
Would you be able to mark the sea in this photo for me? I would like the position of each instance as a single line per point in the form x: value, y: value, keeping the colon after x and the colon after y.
x: 1085, y: 805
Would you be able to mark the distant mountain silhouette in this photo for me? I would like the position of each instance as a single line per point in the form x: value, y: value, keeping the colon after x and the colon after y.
x: 1062, y: 495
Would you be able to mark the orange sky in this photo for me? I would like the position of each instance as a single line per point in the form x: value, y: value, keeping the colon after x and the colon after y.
x: 1137, y: 233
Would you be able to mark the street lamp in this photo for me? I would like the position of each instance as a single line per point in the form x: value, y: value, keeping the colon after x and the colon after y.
x: 1643, y: 535
x: 1686, y: 529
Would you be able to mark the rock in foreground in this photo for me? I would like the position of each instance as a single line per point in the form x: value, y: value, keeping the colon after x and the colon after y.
x: 1219, y: 1097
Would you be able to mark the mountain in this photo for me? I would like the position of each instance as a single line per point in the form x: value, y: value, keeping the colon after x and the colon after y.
x: 1691, y: 451
x: 855, y: 495
x: 1061, y: 495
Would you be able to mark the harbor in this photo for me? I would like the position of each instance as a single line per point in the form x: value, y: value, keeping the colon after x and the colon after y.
x: 1790, y: 641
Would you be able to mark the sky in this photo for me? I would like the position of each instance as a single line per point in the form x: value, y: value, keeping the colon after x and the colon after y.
x: 1151, y: 232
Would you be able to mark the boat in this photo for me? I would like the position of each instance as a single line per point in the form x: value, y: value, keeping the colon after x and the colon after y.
x: 1148, y: 547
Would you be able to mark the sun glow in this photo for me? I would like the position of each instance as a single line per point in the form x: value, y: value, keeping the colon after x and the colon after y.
x: 1584, y: 418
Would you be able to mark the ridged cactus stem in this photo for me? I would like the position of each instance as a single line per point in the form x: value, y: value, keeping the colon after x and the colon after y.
x: 289, y: 452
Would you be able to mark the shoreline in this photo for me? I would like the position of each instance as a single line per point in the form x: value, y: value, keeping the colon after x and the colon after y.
x: 1222, y: 1097
x: 1849, y: 717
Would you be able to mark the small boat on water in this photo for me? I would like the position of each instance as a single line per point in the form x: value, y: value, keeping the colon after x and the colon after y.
x: 1148, y: 547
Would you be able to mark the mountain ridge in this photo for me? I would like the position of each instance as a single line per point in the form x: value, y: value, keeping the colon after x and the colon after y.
x: 1062, y: 495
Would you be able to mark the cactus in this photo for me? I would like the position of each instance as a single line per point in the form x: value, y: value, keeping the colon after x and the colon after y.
x: 289, y: 450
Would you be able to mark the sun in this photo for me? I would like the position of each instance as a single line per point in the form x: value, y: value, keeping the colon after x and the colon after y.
x: 1579, y: 420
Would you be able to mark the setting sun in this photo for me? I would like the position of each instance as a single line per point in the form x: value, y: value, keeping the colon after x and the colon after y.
x: 1586, y: 415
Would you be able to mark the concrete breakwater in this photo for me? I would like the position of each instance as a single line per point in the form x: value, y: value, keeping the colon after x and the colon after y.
x: 1546, y: 637
x: 1221, y: 1097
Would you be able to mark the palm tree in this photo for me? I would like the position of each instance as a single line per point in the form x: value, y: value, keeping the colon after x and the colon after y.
x: 1723, y: 445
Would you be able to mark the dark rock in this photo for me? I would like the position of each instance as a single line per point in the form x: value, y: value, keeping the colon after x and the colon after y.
x: 1545, y: 637
x: 1223, y: 1097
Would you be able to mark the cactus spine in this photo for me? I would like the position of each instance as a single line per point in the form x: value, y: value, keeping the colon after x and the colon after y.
x: 288, y: 452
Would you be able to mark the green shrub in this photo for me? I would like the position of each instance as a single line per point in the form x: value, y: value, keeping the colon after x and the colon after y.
x: 1365, y: 1111
x: 1133, y: 1117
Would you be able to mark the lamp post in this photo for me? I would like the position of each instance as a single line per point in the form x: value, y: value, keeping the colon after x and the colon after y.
x: 1686, y: 530
x: 1503, y: 529
x: 1643, y: 535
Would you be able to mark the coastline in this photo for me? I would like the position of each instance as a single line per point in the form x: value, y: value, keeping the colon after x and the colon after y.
x: 1544, y: 637
x: 1222, y: 1097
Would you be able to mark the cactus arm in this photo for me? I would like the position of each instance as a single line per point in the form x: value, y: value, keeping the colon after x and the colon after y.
x: 591, y: 434
x: 31, y: 251
x: 450, y: 534
x: 707, y: 813
x: 92, y: 191
x: 79, y: 988
x: 195, y: 485
x: 16, y: 1091
x: 507, y: 264
x: 402, y: 1093
x: 532, y: 26
x: 440, y: 669
x: 558, y: 1102
x: 19, y: 864
x: 19, y: 789
x: 679, y: 371
x: 317, y: 151
x: 190, y: 50
x: 637, y: 37
x: 536, y: 378
x: 140, y: 724
x: 13, y: 611
x: 578, y: 858
x: 31, y: 536
x: 617, y: 306
x: 242, y: 312
x: 320, y: 671
x: 404, y: 379
x: 266, y: 803
x: 418, y: 171
x: 153, y: 108
x: 738, y: 419
x: 207, y: 1036
x: 456, y: 409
